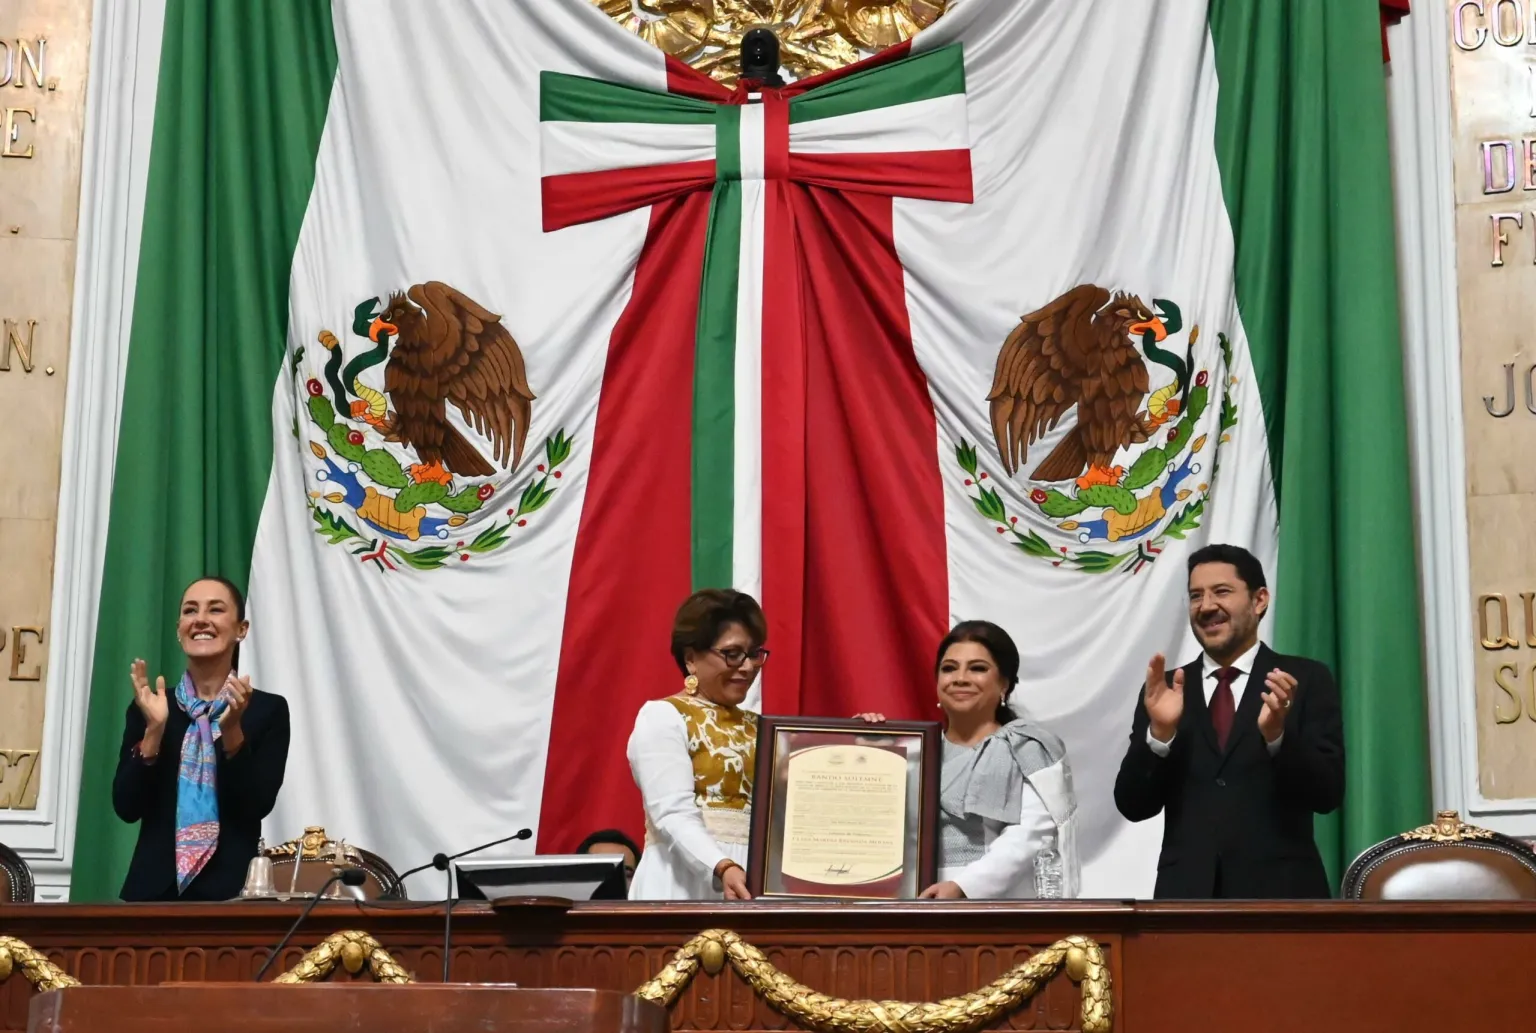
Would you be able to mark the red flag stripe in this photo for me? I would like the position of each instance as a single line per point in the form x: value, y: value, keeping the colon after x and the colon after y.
x: 631, y: 563
x: 578, y: 197
x: 927, y: 175
x: 876, y: 576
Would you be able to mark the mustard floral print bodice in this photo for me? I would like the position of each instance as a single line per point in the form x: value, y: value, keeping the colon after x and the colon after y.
x: 722, y: 742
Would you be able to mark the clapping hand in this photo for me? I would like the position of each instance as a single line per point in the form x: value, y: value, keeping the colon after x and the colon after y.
x: 238, y: 692
x: 1164, y: 702
x: 1282, y: 690
x: 152, y: 702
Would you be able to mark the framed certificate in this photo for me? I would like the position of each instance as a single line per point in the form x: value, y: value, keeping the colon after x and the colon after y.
x: 844, y: 809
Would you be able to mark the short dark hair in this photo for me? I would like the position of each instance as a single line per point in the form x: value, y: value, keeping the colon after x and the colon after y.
x: 1004, y: 653
x: 613, y: 836
x: 1246, y: 563
x: 706, y: 613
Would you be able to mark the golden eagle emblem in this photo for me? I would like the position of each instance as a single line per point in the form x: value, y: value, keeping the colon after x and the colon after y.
x: 397, y: 479
x: 449, y: 348
x: 1079, y: 352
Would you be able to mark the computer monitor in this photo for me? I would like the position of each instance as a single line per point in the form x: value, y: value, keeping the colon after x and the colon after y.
x: 572, y: 876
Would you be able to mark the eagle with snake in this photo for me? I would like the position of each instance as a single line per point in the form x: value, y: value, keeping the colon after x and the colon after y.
x: 450, y: 349
x: 1079, y: 351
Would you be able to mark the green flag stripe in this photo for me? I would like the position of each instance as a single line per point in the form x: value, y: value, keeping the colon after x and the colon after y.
x: 242, y: 99
x: 714, y: 393
x: 924, y: 76
x: 727, y: 143
x: 575, y: 98
x: 1301, y: 140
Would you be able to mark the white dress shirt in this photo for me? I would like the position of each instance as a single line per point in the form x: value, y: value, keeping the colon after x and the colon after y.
x: 1209, y: 670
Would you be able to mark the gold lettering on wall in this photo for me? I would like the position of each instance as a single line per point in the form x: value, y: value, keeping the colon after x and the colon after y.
x: 1504, y: 641
x: 18, y: 781
x: 22, y: 56
x: 13, y: 343
x: 1500, y: 237
x: 1501, y: 716
x: 19, y: 654
x: 44, y: 58
x: 13, y: 117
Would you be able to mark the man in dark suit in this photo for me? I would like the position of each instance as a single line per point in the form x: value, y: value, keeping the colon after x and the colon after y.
x: 1238, y: 749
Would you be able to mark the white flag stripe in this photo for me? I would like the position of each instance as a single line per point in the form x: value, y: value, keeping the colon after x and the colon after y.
x: 747, y: 534
x: 937, y: 124
x: 752, y: 143
x: 597, y: 146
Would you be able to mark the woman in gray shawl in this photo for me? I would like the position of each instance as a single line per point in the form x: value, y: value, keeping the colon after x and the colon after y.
x: 1004, y: 784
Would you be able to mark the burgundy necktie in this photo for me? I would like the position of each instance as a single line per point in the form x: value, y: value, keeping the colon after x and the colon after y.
x: 1223, y: 706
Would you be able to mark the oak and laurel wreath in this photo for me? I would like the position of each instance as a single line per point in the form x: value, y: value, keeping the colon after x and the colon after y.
x: 1055, y: 504
x: 347, y: 442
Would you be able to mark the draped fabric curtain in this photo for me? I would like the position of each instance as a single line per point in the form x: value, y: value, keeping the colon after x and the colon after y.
x: 1302, y: 141
x: 241, y: 102
x: 237, y: 215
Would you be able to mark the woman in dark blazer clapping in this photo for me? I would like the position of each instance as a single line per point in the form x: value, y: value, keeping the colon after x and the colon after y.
x: 201, y: 763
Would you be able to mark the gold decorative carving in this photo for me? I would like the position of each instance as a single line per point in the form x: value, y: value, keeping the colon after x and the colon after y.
x: 814, y: 35
x: 353, y: 949
x: 312, y: 846
x: 35, y: 967
x: 836, y: 1015
x: 1448, y: 828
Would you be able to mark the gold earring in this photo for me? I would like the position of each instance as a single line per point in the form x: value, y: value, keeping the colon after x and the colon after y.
x: 691, y: 684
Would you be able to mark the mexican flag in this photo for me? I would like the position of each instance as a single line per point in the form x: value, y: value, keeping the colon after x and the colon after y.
x: 475, y: 335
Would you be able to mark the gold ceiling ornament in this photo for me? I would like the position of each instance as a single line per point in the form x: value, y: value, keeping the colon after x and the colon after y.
x: 814, y: 35
x: 1082, y: 958
x: 1448, y: 828
x: 43, y: 974
x: 353, y: 950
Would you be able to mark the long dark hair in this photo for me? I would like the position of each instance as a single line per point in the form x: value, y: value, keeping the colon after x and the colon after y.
x: 1004, y: 653
x: 234, y: 593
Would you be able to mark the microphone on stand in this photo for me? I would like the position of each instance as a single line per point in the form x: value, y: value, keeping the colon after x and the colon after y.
x: 444, y: 863
x: 347, y: 877
x: 441, y: 861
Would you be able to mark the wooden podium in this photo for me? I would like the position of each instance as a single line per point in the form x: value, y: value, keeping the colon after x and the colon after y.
x: 339, y: 1008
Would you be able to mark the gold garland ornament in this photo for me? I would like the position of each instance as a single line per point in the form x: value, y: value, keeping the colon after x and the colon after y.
x: 1082, y: 958
x: 43, y: 974
x: 353, y: 949
x: 814, y: 35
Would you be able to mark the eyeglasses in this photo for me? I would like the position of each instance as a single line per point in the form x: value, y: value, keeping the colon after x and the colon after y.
x: 735, y: 656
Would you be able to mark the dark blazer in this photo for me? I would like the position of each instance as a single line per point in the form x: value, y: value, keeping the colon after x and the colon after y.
x: 1238, y: 822
x: 247, y: 784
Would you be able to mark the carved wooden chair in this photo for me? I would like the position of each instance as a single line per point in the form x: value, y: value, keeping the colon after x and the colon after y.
x: 1449, y: 860
x: 16, y: 885
x: 315, y: 856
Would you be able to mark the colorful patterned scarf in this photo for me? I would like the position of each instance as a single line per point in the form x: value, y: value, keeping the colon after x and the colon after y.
x: 197, y: 793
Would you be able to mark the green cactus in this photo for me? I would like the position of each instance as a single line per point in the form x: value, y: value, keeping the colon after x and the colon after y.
x: 337, y: 436
x: 424, y: 493
x: 1057, y: 505
x: 466, y: 501
x: 1121, y: 500
x: 383, y: 468
x: 322, y: 412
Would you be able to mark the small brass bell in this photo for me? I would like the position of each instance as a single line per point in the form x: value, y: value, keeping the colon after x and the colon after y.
x: 258, y: 875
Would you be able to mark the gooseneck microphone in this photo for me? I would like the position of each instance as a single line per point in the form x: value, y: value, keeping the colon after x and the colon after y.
x: 444, y: 863
x: 347, y: 877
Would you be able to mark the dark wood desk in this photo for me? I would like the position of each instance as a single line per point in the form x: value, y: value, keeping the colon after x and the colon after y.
x: 1255, y: 967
